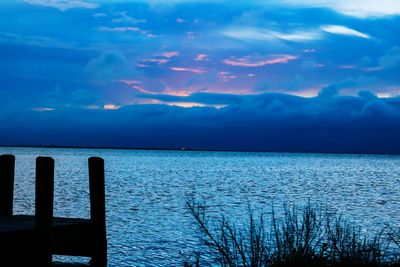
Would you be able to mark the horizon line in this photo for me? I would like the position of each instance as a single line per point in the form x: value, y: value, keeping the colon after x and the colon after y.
x: 198, y: 150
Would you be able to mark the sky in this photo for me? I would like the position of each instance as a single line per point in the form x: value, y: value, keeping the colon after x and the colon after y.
x: 287, y: 75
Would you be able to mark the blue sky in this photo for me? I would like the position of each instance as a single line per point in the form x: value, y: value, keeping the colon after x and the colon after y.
x: 304, y: 75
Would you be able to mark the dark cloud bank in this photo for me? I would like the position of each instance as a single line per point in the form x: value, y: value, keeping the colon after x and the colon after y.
x: 265, y: 122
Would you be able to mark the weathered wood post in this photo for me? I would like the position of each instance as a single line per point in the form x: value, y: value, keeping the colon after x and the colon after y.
x: 44, y: 209
x: 97, y: 210
x: 7, y: 168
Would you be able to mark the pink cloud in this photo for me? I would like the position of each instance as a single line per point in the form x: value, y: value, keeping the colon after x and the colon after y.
x: 310, y: 92
x: 141, y: 89
x: 170, y: 54
x: 155, y: 60
x: 226, y: 76
x: 194, y: 70
x: 247, y: 62
x: 111, y: 106
x: 140, y: 65
x: 131, y: 82
x: 136, y: 85
x: 192, y: 104
x: 177, y: 93
x: 201, y: 57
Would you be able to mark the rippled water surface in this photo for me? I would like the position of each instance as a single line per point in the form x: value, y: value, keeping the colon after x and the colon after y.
x: 147, y: 221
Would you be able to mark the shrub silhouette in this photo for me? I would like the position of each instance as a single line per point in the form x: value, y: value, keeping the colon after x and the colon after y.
x: 305, y: 236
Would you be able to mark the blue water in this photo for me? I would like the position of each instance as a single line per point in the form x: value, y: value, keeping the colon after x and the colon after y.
x: 147, y: 221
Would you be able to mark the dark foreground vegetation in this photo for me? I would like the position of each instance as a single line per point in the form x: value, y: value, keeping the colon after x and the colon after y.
x: 305, y: 236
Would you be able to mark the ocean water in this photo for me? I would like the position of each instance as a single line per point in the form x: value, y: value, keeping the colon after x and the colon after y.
x: 148, y: 223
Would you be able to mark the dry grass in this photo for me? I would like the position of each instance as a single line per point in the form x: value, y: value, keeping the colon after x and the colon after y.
x: 306, y: 236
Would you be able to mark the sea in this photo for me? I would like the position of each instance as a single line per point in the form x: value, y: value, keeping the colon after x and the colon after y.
x: 148, y: 221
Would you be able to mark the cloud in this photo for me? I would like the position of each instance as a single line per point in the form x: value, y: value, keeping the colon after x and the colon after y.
x: 69, y: 70
x: 226, y: 76
x: 304, y: 35
x: 119, y: 29
x: 259, y: 34
x: 264, y: 122
x: 249, y: 62
x: 356, y: 8
x: 359, y: 82
x: 329, y: 91
x: 201, y: 57
x: 43, y: 109
x: 170, y: 54
x: 40, y: 41
x: 190, y: 104
x: 107, y: 65
x: 341, y: 30
x: 124, y: 18
x: 111, y: 107
x: 194, y: 70
x: 154, y: 60
x: 100, y: 15
x: 391, y: 59
x: 63, y: 5
x: 127, y: 29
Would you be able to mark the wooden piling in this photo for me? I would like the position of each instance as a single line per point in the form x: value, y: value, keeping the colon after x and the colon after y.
x: 44, y: 209
x: 39, y: 236
x: 97, y: 210
x: 7, y: 168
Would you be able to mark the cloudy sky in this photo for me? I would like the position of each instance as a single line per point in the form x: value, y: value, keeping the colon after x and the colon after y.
x: 291, y: 75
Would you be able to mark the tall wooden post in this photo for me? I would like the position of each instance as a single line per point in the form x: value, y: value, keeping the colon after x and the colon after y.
x: 7, y: 168
x: 97, y: 210
x: 44, y: 209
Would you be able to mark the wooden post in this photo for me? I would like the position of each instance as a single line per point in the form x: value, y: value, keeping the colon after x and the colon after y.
x: 7, y: 167
x: 97, y: 210
x: 44, y: 209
